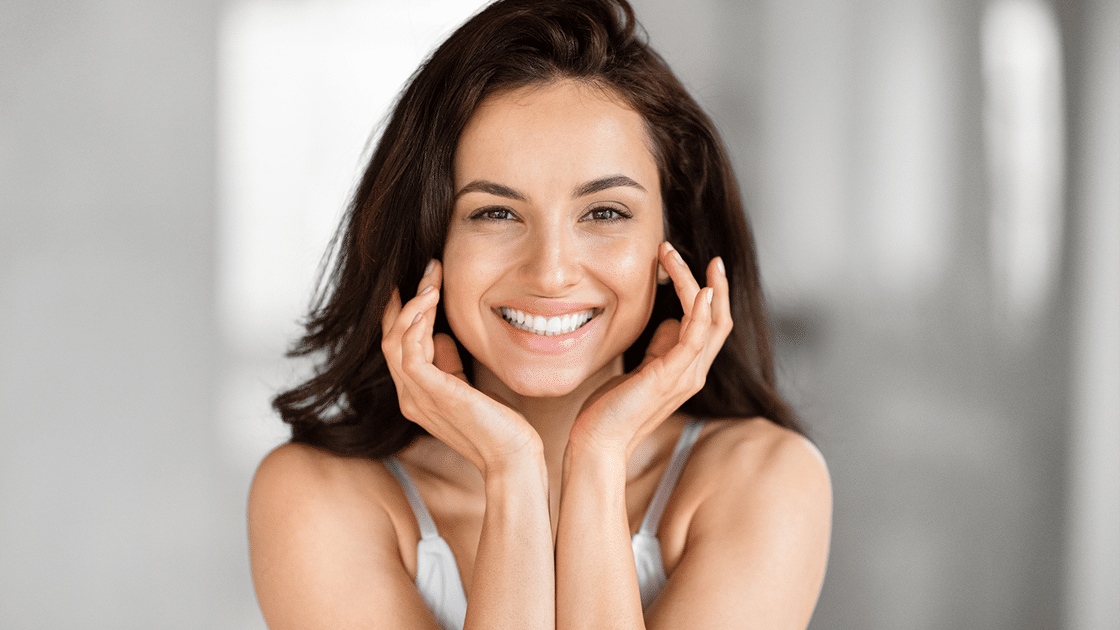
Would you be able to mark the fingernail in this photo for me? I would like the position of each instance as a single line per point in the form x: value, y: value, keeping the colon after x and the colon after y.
x: 430, y: 267
x: 677, y: 256
x: 711, y: 294
x: 719, y: 265
x: 427, y: 289
x: 418, y: 316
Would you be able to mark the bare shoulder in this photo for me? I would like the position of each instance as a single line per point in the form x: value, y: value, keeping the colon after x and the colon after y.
x: 298, y: 487
x: 324, y: 533
x: 294, y: 473
x: 751, y: 529
x: 756, y: 479
x: 761, y: 458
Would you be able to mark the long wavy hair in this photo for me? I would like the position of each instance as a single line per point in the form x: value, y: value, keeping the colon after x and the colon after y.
x: 398, y: 217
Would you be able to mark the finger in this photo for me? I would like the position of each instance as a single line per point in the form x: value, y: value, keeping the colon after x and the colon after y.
x: 433, y: 276
x: 392, y: 310
x: 670, y: 366
x: 426, y: 299
x: 428, y: 322
x: 447, y: 356
x: 431, y: 282
x: 695, y: 333
x: 426, y: 384
x: 720, y: 313
x: 414, y: 356
x: 683, y: 282
x: 721, y: 302
x: 409, y: 314
x: 390, y: 345
x: 663, y: 340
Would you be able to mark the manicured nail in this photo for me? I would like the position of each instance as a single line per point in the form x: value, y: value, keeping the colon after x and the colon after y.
x: 719, y: 265
x: 710, y: 295
x: 677, y: 256
x: 418, y: 316
x: 427, y: 289
x: 430, y: 267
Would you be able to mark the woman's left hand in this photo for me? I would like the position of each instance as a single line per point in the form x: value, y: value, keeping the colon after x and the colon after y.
x: 627, y: 408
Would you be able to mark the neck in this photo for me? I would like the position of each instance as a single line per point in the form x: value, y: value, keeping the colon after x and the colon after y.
x: 551, y: 416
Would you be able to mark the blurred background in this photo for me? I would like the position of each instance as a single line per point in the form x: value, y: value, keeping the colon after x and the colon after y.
x: 935, y: 185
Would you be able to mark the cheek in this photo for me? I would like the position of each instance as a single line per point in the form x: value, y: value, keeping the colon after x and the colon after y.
x: 458, y: 287
x: 631, y: 266
x: 469, y: 269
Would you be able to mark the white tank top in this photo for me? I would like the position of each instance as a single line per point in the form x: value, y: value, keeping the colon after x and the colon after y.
x: 437, y: 574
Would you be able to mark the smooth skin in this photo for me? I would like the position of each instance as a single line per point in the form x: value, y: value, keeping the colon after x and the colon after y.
x: 538, y: 473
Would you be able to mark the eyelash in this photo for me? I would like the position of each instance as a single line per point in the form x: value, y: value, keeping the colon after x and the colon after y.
x: 620, y: 214
x: 487, y: 214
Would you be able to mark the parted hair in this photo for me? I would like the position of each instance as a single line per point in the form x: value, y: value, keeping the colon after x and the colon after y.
x: 398, y: 217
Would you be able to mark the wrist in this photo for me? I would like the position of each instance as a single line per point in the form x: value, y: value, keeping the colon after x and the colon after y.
x: 525, y: 462
x: 601, y: 461
x: 588, y: 446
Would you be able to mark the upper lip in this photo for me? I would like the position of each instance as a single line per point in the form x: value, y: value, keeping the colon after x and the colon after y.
x: 545, y: 307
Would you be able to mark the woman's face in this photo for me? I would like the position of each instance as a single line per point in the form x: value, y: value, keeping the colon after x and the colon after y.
x: 550, y: 262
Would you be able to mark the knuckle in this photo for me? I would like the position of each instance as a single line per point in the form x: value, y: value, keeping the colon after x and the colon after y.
x: 408, y: 408
x: 696, y: 343
x: 698, y: 382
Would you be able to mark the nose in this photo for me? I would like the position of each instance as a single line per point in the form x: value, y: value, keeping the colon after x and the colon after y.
x: 552, y: 262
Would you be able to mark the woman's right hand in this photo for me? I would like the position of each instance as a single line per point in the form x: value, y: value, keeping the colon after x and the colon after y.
x: 433, y: 390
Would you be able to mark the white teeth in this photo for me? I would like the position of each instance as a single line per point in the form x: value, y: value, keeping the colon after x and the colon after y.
x: 559, y: 325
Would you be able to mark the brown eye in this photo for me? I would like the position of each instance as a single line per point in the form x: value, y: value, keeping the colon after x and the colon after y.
x: 493, y: 213
x: 606, y: 214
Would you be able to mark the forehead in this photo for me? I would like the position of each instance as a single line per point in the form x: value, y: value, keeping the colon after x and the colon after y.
x: 563, y: 131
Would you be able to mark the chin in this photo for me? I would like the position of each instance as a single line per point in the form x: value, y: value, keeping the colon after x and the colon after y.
x: 543, y: 383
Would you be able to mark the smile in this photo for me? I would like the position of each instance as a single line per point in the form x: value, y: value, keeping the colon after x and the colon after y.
x: 547, y: 326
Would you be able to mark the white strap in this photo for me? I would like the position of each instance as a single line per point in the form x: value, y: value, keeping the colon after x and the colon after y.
x: 669, y: 478
x: 423, y: 518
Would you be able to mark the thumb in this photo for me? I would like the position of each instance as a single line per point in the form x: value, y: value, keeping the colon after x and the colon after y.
x: 447, y: 356
x: 663, y: 340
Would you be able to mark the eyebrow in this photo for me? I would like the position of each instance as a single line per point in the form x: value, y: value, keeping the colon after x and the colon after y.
x: 591, y: 187
x: 605, y: 183
x: 481, y: 185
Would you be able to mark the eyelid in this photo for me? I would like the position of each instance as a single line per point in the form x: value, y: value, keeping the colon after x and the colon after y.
x: 622, y: 212
x: 479, y: 214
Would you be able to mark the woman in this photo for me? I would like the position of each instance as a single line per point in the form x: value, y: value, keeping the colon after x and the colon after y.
x: 528, y: 412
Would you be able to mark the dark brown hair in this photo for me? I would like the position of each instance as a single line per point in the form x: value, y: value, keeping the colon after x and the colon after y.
x: 399, y: 215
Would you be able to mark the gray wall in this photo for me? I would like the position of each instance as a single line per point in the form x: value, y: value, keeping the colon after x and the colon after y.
x: 115, y: 510
x: 966, y: 494
x: 956, y: 438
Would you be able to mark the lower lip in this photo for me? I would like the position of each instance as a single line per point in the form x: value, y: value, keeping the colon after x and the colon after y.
x: 555, y: 344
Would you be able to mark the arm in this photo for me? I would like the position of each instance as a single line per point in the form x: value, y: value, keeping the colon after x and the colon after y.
x: 595, y: 574
x: 324, y: 548
x: 323, y: 541
x: 596, y: 582
x: 757, y: 544
x: 514, y: 571
x: 754, y: 549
